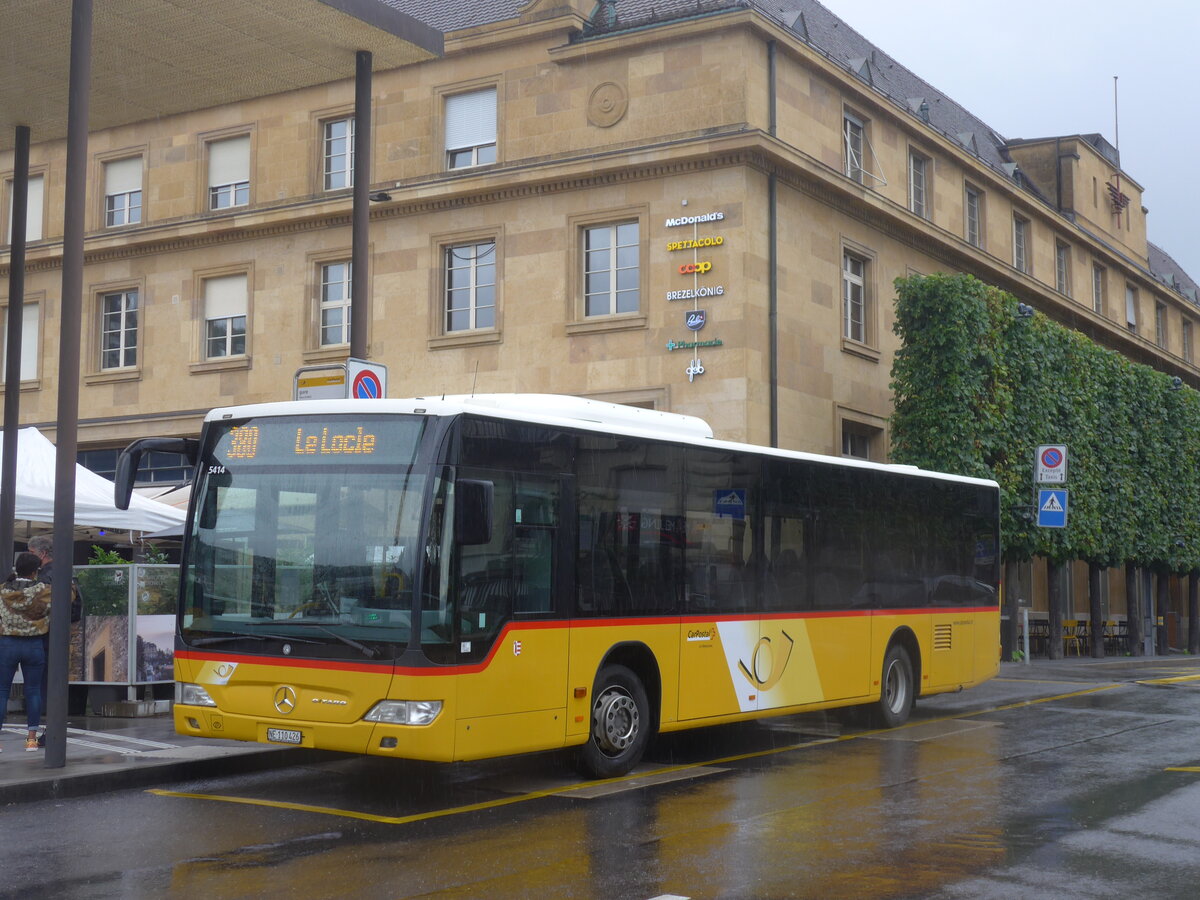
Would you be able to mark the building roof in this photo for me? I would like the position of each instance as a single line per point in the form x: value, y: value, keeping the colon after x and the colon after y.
x: 1170, y: 273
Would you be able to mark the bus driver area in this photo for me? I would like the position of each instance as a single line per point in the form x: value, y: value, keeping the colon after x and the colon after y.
x: 468, y: 577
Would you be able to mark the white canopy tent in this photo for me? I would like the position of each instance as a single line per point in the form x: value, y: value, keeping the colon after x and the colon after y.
x: 94, y: 507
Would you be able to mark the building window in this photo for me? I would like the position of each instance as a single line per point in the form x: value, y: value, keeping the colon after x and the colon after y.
x: 336, y: 284
x: 1021, y: 244
x: 30, y: 322
x: 118, y: 329
x: 337, y: 157
x: 854, y: 297
x: 471, y: 129
x: 1131, y: 305
x: 155, y: 467
x: 229, y: 172
x: 225, y: 302
x: 1160, y: 325
x: 1062, y: 268
x: 855, y: 136
x: 1185, y: 332
x: 1098, y: 279
x: 860, y: 441
x: 470, y: 280
x: 123, y: 192
x: 974, y: 217
x: 33, y: 209
x: 917, y: 197
x: 611, y: 269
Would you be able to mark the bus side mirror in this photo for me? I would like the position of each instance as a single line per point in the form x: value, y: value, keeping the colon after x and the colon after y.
x: 473, y: 511
x: 131, y: 456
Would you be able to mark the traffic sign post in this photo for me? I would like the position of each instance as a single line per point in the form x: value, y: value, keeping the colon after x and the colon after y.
x: 1052, y: 508
x: 355, y: 378
x: 1050, y: 464
x: 368, y: 381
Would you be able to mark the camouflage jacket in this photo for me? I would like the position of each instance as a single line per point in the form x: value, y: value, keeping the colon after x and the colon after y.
x: 24, y: 608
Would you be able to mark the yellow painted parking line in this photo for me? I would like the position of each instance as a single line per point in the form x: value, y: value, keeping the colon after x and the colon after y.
x: 1175, y: 680
x: 568, y: 788
x: 1182, y: 769
x: 371, y: 817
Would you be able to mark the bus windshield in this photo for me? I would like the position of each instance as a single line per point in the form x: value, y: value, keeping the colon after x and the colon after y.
x: 306, y: 530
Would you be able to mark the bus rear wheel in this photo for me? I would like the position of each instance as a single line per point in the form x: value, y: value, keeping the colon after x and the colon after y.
x: 620, y: 726
x: 896, y: 689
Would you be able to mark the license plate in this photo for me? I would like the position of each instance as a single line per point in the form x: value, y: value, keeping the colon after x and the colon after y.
x: 284, y: 736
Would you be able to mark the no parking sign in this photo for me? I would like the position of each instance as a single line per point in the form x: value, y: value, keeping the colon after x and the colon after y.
x: 1050, y: 464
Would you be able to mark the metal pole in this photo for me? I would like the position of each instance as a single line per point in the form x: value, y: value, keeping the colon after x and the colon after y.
x: 67, y: 435
x: 12, y: 369
x: 1025, y: 631
x: 361, y: 214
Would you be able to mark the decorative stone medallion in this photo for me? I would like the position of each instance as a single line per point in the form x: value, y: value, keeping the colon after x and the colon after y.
x: 607, y: 104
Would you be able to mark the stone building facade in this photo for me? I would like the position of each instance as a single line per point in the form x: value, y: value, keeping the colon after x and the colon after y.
x: 559, y: 195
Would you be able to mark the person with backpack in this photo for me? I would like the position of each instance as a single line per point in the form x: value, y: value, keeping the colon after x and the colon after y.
x: 24, y: 620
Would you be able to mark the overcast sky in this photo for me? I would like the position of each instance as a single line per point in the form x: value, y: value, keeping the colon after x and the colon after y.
x: 1040, y: 68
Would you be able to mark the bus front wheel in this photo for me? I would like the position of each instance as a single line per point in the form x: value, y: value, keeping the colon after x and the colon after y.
x: 896, y: 689
x: 620, y: 726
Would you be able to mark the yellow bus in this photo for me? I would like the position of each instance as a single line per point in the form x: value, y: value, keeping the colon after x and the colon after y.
x: 466, y: 577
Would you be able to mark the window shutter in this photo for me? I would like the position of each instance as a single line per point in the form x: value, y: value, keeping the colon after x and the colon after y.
x: 29, y: 343
x: 229, y: 161
x: 123, y: 176
x: 33, y: 216
x: 471, y: 119
x: 225, y: 297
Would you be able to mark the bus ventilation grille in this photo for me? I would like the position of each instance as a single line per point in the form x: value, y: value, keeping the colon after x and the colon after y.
x: 943, y: 637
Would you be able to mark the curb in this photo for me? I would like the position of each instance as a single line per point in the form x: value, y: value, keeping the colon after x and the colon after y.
x: 66, y: 785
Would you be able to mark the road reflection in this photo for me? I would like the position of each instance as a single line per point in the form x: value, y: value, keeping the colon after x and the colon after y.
x: 892, y: 814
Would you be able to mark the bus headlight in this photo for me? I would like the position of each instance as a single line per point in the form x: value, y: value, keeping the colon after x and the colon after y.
x: 404, y: 712
x: 192, y: 695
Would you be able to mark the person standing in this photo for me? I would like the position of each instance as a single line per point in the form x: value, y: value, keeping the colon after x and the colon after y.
x: 42, y: 546
x: 24, y: 619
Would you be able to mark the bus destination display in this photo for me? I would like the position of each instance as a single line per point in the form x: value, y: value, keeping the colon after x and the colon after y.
x: 345, y: 439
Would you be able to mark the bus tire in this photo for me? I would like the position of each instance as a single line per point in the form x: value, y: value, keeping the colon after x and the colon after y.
x: 896, y: 689
x: 620, y: 724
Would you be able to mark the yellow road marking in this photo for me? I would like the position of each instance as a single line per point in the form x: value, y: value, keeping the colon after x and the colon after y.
x: 1182, y: 769
x: 1175, y: 680
x: 566, y: 789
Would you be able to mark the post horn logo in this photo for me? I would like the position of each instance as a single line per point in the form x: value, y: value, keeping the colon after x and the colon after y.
x: 767, y: 654
x: 285, y: 699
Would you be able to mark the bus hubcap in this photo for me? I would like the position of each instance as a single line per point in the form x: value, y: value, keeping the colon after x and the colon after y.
x: 894, y: 688
x: 614, y: 721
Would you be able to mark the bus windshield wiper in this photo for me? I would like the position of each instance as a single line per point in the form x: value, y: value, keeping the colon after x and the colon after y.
x: 223, y: 639
x: 368, y: 652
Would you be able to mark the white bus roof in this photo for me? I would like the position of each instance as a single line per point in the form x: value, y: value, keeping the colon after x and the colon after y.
x: 565, y: 411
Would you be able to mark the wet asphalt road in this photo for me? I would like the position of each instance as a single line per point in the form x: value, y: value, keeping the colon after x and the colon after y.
x: 1078, y: 781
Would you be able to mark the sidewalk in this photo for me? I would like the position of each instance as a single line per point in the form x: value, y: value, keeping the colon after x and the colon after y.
x: 108, y: 754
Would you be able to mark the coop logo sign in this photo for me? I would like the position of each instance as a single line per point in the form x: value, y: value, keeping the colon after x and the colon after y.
x: 696, y: 268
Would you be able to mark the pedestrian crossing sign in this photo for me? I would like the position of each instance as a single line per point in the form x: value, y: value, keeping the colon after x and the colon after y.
x: 1052, y: 509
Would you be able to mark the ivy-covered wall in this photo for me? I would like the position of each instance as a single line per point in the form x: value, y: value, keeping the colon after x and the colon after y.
x: 977, y: 388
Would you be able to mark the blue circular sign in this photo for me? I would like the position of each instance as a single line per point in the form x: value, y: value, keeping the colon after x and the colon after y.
x: 1052, y: 458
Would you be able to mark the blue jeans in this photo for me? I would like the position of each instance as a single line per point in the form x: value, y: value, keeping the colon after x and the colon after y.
x: 29, y: 654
